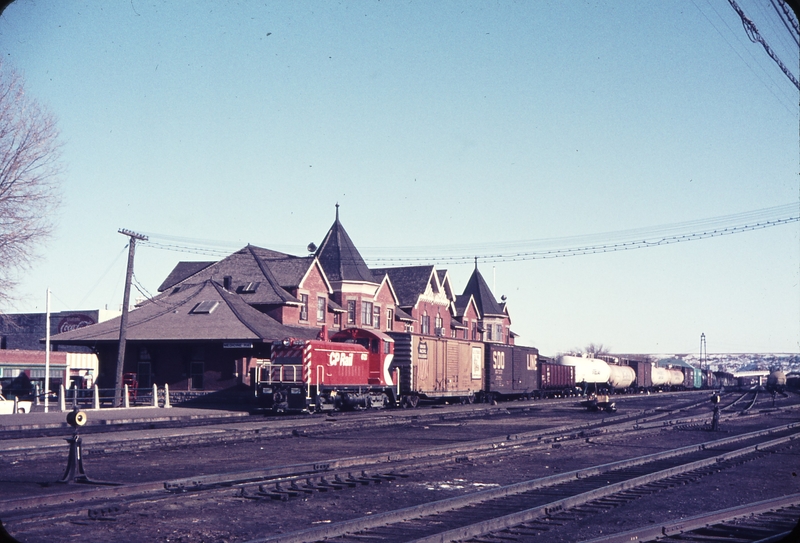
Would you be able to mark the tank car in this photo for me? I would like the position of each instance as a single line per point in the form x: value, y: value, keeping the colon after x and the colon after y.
x: 510, y: 371
x: 350, y: 371
x: 589, y: 372
x: 621, y: 378
x: 676, y: 378
x: 660, y: 378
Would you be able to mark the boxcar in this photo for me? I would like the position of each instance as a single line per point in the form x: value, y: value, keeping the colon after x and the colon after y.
x: 437, y: 368
x: 643, y: 370
x: 692, y: 378
x: 510, y: 371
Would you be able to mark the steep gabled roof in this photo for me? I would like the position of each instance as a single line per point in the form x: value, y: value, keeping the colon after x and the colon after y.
x: 462, y: 304
x: 409, y: 282
x: 339, y: 257
x: 484, y: 299
x: 444, y: 280
x: 181, y: 272
x: 249, y: 267
x: 201, y: 312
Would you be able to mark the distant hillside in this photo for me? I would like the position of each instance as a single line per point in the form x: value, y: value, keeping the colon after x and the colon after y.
x: 743, y: 361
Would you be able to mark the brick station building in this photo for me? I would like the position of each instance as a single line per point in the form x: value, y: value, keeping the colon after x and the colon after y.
x: 212, y: 320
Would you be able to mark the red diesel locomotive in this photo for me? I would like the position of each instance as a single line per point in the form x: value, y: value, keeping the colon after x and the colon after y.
x: 349, y: 371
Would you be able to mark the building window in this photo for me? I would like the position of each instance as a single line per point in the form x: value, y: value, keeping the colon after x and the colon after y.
x: 466, y: 332
x: 488, y: 332
x: 304, y: 307
x: 196, y: 378
x: 351, y: 311
x: 389, y: 318
x: 322, y: 304
x: 337, y: 319
x: 426, y: 325
x: 144, y: 375
x: 439, y: 325
x: 474, y: 330
x: 376, y: 317
x: 499, y: 334
x: 366, y: 313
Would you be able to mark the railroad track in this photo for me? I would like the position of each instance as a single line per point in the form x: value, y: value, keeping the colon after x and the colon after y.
x: 519, y: 511
x: 301, y: 480
x: 282, y: 482
x: 767, y: 521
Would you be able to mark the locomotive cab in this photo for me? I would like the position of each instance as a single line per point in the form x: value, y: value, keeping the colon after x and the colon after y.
x: 379, y: 347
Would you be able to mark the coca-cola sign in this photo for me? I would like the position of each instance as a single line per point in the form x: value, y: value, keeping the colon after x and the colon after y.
x: 73, y: 322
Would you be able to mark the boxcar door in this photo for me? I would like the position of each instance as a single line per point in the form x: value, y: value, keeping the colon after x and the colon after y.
x: 452, y: 365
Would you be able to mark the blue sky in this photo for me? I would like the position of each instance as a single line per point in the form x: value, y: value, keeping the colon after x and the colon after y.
x: 437, y: 126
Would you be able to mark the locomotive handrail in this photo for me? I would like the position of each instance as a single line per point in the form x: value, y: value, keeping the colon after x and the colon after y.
x: 277, y: 373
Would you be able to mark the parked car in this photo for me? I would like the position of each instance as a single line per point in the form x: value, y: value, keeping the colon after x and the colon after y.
x: 7, y: 406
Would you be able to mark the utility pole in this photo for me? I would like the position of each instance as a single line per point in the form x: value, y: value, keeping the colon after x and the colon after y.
x: 123, y: 323
x: 47, y: 354
x: 703, y: 353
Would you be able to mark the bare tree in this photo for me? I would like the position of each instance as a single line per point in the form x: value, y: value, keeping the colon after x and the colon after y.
x: 592, y: 350
x: 596, y: 349
x: 29, y: 168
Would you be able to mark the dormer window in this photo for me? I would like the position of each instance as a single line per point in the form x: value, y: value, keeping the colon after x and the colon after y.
x: 249, y: 288
x: 205, y: 307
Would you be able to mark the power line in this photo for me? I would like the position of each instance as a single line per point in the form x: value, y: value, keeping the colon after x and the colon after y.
x: 771, y: 88
x: 752, y: 33
x: 625, y: 240
x: 585, y: 250
x: 783, y: 14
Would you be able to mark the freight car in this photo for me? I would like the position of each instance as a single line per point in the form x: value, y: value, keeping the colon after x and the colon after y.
x: 594, y: 375
x: 510, y: 372
x: 437, y: 368
x: 350, y: 371
x: 776, y: 382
